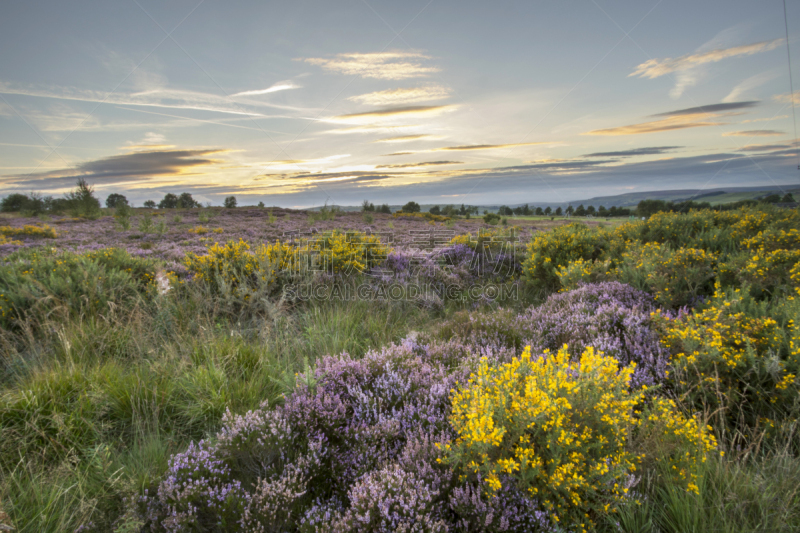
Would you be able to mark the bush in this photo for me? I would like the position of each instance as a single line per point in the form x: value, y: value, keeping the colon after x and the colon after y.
x: 738, y: 359
x: 561, y: 430
x: 27, y: 230
x: 38, y: 283
x: 549, y: 251
x: 230, y: 202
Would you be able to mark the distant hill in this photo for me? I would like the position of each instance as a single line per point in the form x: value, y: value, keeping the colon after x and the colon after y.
x: 713, y: 196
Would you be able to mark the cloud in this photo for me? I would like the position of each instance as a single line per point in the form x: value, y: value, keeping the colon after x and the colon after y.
x: 423, y: 164
x: 668, y: 124
x: 280, y: 86
x: 655, y: 68
x: 372, y: 128
x: 482, y: 147
x: 132, y: 166
x: 393, y: 112
x: 381, y: 65
x: 753, y: 133
x: 655, y: 150
x: 469, y: 147
x: 403, y: 96
x: 158, y: 97
x: 767, y: 119
x: 786, y: 98
x: 763, y: 147
x: 408, y: 138
x: 748, y: 85
x: 707, y: 109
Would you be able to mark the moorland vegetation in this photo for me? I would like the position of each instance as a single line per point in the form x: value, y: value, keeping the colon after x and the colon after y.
x: 640, y: 376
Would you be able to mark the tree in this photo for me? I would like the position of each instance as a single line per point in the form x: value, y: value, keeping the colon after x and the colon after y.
x: 115, y: 200
x: 411, y: 207
x: 13, y: 202
x: 185, y: 201
x: 580, y: 211
x: 150, y: 204
x: 602, y: 211
x: 558, y: 212
x: 170, y: 201
x: 570, y: 210
x: 772, y: 198
x: 385, y: 209
x: 505, y: 211
x: 230, y: 202
x: 260, y: 204
x: 463, y: 210
x: 539, y: 211
x: 548, y: 210
x: 367, y: 206
x: 647, y: 208
x: 81, y: 201
x: 590, y: 210
x: 787, y: 198
x: 435, y: 210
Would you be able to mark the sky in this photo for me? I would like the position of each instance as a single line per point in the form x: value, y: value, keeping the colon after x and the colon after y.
x: 301, y: 103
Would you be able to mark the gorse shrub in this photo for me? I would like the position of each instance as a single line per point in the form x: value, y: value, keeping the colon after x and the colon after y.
x: 674, y: 277
x: 557, y: 428
x: 676, y: 257
x: 548, y: 251
x: 562, y: 431
x: 37, y: 283
x: 27, y: 230
x: 349, y: 252
x: 739, y: 359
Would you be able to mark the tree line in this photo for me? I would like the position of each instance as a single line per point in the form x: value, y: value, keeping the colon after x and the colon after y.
x: 82, y: 201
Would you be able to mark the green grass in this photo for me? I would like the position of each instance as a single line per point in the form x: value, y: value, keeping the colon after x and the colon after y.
x: 93, y: 405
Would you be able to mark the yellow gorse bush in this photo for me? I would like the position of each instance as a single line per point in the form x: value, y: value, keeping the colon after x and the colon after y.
x: 236, y: 262
x: 494, y: 239
x: 563, y: 431
x: 6, y: 240
x: 29, y: 231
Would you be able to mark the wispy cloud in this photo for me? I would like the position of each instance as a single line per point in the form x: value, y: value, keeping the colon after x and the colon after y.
x: 423, y: 164
x: 763, y: 147
x: 157, y: 97
x: 753, y: 133
x: 748, y: 85
x: 654, y: 150
x: 655, y: 68
x: 280, y: 86
x: 373, y: 128
x: 711, y: 108
x: 469, y: 147
x: 409, y: 138
x: 134, y: 166
x: 394, y: 112
x: 787, y: 98
x: 381, y: 65
x: 668, y: 124
x: 403, y: 96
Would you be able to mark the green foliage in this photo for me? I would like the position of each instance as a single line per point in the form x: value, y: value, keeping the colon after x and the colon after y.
x: 116, y: 200
x: 411, y: 207
x: 150, y: 204
x: 230, y: 202
x: 170, y: 201
x: 38, y: 283
x: 81, y: 201
x: 122, y: 215
x: 549, y: 251
x: 185, y: 201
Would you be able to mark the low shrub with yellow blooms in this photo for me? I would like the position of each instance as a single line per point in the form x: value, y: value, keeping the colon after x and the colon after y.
x: 737, y: 358
x: 28, y: 230
x: 563, y: 430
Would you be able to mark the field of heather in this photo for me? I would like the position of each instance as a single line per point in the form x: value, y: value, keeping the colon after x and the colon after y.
x: 256, y: 369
